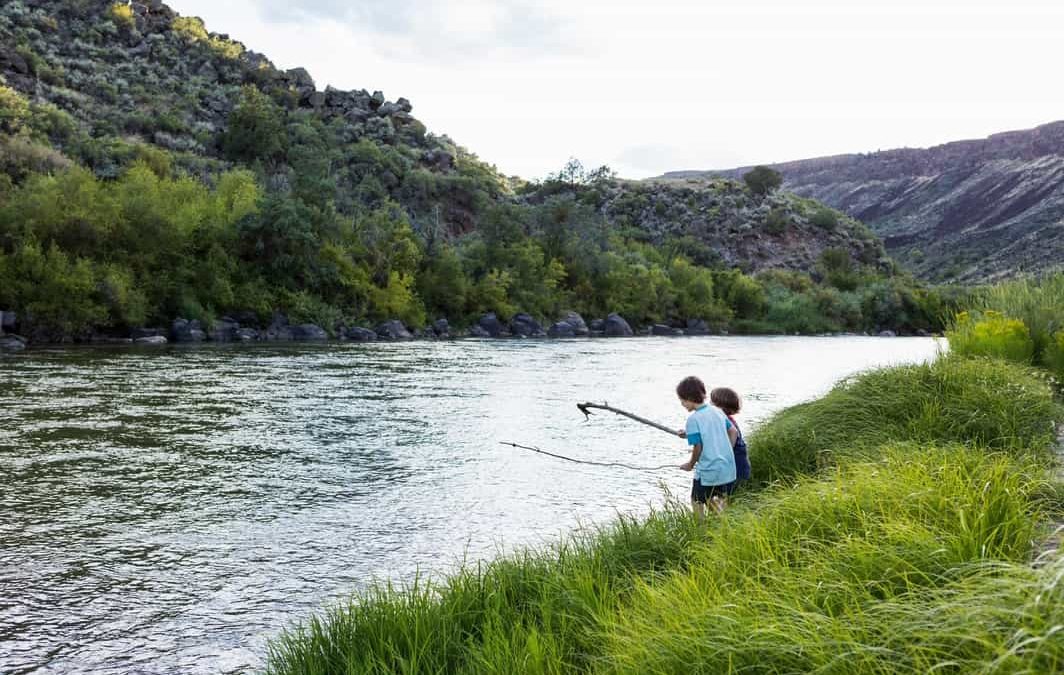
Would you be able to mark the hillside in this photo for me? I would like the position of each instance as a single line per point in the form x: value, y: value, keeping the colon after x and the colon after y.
x: 151, y: 170
x: 973, y: 210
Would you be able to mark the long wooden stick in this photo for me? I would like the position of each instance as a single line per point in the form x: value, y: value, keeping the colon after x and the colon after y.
x: 585, y: 408
x: 587, y: 461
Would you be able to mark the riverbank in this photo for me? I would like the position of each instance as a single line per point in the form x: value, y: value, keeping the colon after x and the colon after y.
x: 489, y: 326
x: 892, y: 524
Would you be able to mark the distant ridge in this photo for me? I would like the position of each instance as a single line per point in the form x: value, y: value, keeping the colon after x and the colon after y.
x: 970, y: 210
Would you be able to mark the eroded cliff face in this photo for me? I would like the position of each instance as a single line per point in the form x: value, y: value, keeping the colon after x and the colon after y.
x: 974, y: 210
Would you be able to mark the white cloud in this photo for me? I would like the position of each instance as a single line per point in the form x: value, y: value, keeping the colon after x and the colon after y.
x: 647, y: 86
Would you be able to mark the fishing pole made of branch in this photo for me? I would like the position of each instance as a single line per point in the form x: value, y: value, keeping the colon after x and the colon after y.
x: 586, y: 409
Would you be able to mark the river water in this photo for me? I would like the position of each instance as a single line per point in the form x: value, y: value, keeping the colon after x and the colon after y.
x: 168, y: 510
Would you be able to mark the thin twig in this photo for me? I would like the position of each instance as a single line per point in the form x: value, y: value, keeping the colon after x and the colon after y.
x: 584, y: 408
x: 585, y: 461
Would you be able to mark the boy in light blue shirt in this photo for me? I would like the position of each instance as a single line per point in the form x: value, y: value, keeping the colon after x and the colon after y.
x: 711, y: 437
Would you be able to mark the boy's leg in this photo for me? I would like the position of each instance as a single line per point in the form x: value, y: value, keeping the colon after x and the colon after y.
x: 698, y: 500
x: 718, y: 503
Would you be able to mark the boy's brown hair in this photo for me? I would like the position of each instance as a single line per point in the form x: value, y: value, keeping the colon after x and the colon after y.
x: 691, y: 389
x: 726, y: 399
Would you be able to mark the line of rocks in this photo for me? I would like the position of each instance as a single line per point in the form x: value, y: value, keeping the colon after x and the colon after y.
x: 246, y: 328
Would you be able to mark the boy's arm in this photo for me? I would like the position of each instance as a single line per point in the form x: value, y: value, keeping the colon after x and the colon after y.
x: 696, y: 452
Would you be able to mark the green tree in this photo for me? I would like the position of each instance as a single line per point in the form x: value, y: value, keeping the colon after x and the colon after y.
x: 762, y: 180
x: 255, y: 131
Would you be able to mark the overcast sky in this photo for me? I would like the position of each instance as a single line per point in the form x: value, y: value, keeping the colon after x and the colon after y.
x: 649, y: 87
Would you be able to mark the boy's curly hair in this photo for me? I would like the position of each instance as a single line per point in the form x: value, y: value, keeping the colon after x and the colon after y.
x: 726, y: 399
x: 691, y: 389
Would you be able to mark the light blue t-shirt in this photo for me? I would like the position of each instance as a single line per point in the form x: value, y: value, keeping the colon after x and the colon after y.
x: 709, y: 426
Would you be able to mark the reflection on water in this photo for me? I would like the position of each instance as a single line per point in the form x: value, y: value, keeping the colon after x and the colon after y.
x: 168, y: 510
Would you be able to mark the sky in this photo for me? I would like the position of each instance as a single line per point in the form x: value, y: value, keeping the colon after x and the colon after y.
x: 649, y: 87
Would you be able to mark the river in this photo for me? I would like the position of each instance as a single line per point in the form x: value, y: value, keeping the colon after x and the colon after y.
x: 169, y: 510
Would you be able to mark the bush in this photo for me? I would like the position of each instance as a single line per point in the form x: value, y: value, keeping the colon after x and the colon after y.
x: 825, y: 218
x: 777, y: 221
x: 991, y: 335
x: 56, y: 295
x: 255, y: 130
x: 122, y: 15
x: 1038, y: 303
x: 14, y: 110
x: 762, y: 180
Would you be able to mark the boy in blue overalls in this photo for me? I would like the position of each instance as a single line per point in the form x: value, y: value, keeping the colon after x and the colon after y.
x: 711, y: 437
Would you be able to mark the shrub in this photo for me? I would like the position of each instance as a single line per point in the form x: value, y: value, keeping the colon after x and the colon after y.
x: 777, y: 221
x: 991, y: 335
x: 122, y: 15
x: 791, y: 312
x: 21, y: 157
x: 1038, y: 303
x: 825, y: 218
x: 762, y: 180
x: 14, y: 110
x: 55, y: 293
x: 256, y: 129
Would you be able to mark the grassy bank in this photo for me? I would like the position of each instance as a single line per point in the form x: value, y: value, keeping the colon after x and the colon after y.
x: 896, y: 536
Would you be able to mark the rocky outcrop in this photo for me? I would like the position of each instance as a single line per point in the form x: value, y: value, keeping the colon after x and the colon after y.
x: 281, y: 331
x: 308, y: 332
x: 489, y: 326
x: 360, y: 334
x: 393, y: 330
x: 580, y: 328
x: 696, y: 327
x: 616, y: 326
x: 523, y: 325
x: 971, y: 211
x: 561, y: 329
x: 441, y: 328
x: 12, y: 343
x: 151, y: 340
x: 183, y: 330
x: 661, y: 329
x: 223, y: 330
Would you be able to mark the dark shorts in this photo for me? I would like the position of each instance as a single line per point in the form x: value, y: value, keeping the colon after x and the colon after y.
x: 703, y: 493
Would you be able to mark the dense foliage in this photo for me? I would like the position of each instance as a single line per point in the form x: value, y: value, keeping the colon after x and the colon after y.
x: 1021, y: 320
x: 79, y: 253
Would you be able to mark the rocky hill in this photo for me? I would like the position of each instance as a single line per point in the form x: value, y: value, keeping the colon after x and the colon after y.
x: 740, y: 229
x: 154, y: 174
x: 972, y: 210
x: 129, y: 76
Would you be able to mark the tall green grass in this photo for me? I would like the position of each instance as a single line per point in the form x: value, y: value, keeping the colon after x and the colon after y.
x: 982, y: 402
x: 1038, y: 303
x: 883, y: 509
x: 825, y: 576
x: 544, y: 605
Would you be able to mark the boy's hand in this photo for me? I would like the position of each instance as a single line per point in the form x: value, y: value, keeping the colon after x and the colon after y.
x: 681, y: 433
x: 687, y: 466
